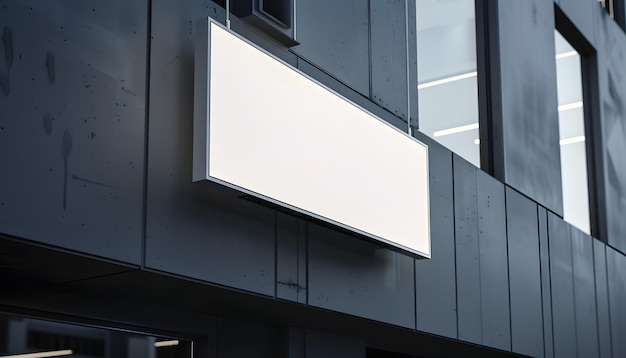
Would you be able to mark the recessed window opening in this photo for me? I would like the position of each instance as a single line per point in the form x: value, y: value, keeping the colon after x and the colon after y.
x: 572, y: 137
x: 447, y: 75
x: 608, y: 5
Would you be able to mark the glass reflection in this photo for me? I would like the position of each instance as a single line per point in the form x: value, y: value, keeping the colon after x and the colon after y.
x: 32, y: 338
x: 572, y: 135
x: 447, y: 89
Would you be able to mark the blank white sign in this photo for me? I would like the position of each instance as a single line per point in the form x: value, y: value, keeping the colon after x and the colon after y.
x: 264, y: 128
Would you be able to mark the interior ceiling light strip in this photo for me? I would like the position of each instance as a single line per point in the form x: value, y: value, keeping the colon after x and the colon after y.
x: 475, y: 73
x: 166, y: 343
x: 567, y: 107
x: 566, y: 54
x: 454, y: 130
x: 60, y: 353
x: 572, y: 140
x: 447, y: 80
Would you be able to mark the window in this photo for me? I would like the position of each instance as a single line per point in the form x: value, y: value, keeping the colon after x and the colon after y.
x: 608, y: 5
x: 572, y: 135
x: 447, y: 76
x: 27, y: 337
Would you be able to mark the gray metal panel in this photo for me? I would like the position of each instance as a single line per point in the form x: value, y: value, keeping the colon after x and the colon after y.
x: 361, y: 278
x: 302, y: 260
x: 494, y: 275
x: 584, y: 294
x: 195, y: 229
x: 325, y: 345
x: 602, y: 298
x: 235, y: 339
x: 296, y: 343
x: 435, y: 278
x: 616, y: 267
x: 389, y: 55
x: 467, y: 251
x: 350, y: 94
x: 72, y: 124
x: 612, y: 87
x: 529, y: 159
x: 290, y: 258
x: 524, y: 275
x: 546, y: 295
x: 334, y: 35
x: 562, y: 279
x: 287, y: 285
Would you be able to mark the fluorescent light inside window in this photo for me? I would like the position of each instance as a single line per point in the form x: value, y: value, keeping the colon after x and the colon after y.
x: 60, y: 353
x: 566, y: 54
x: 572, y: 140
x: 567, y: 107
x: 476, y: 141
x: 454, y: 130
x: 447, y: 80
x: 166, y: 343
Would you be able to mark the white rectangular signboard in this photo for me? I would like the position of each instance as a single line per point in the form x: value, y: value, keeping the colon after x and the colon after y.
x: 265, y: 129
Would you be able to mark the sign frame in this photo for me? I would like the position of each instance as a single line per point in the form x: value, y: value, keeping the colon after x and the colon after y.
x: 202, y: 128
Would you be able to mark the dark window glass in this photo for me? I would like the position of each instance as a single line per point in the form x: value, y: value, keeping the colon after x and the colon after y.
x: 280, y: 10
x: 27, y: 337
x: 608, y: 5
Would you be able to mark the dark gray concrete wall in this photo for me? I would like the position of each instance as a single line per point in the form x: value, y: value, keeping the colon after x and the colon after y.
x: 506, y: 271
x: 616, y: 266
x: 72, y: 118
x: 436, y: 295
x: 524, y: 275
x: 335, y: 36
x: 482, y: 272
x: 195, y: 230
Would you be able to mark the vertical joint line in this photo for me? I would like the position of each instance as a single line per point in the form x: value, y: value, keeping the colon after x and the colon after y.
x: 480, y: 274
x: 298, y: 259
x: 541, y: 273
x: 369, y: 50
x: 571, y: 257
x: 144, y: 203
x: 550, y: 279
x: 508, y: 265
x: 595, y: 295
x: 415, y: 292
x: 306, y: 261
x: 608, y: 298
x: 276, y: 258
x: 456, y: 279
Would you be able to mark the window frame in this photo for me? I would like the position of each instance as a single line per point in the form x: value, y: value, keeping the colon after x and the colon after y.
x: 483, y: 36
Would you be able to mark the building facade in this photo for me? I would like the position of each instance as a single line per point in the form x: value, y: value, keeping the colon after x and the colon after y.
x: 109, y: 248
